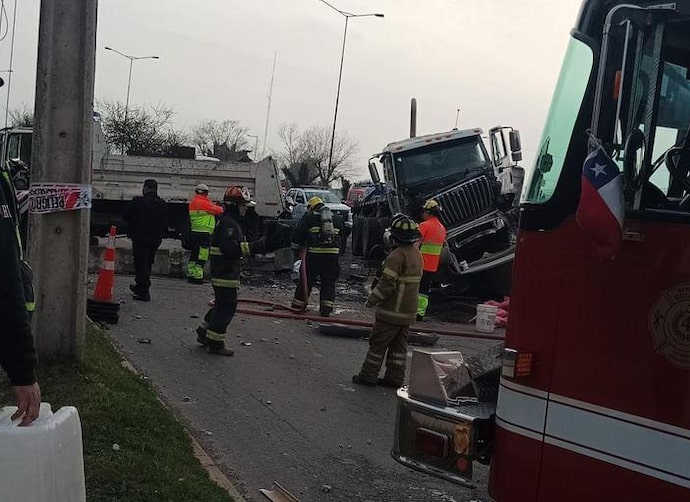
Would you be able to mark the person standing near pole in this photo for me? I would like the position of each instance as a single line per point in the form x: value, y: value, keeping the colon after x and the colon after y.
x: 394, y: 295
x: 202, y: 219
x: 320, y: 232
x: 147, y: 222
x: 17, y: 354
x: 433, y: 235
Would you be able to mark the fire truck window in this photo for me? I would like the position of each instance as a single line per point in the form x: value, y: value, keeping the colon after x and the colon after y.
x: 13, y: 147
x: 566, y: 104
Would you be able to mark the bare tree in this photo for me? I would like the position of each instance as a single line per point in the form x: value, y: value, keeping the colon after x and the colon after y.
x: 209, y: 135
x: 22, y: 116
x: 146, y: 130
x: 304, y: 154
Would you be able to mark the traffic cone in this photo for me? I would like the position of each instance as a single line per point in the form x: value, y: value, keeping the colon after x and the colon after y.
x: 101, y: 307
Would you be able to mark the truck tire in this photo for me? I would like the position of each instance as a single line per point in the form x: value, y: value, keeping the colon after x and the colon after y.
x: 372, y: 233
x: 357, y: 236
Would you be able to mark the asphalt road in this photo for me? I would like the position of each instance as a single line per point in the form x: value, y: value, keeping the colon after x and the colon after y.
x: 284, y: 407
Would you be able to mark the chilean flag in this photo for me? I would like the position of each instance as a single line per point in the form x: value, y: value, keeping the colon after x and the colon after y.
x: 601, y: 210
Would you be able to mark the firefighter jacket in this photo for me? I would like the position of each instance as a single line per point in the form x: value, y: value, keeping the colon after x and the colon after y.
x: 202, y: 213
x: 228, y: 248
x: 17, y: 354
x: 397, y: 289
x: 433, y: 236
x: 310, y: 233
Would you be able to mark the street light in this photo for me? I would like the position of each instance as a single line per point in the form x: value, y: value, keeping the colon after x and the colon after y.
x: 347, y: 16
x: 256, y: 144
x: 129, y: 82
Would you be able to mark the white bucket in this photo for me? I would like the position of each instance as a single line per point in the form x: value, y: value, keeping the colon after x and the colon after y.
x: 486, y: 318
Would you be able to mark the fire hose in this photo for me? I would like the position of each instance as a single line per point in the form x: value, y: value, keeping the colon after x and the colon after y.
x: 279, y: 311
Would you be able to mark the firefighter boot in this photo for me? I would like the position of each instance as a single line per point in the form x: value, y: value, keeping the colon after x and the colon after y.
x: 219, y: 349
x: 201, y: 336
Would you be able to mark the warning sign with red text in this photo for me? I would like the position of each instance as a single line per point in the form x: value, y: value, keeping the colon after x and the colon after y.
x: 58, y: 197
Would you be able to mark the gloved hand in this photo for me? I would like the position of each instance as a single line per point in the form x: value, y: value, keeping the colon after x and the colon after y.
x: 258, y: 246
x: 279, y: 238
x: 371, y: 302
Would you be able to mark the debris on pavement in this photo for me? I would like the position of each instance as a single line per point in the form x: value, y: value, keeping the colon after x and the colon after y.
x: 278, y: 494
x: 186, y: 399
x: 326, y: 488
x: 246, y: 344
x: 208, y: 433
x: 144, y: 341
x: 194, y: 316
x: 116, y: 447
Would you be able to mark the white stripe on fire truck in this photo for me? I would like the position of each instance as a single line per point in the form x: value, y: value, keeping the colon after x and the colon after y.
x: 635, y: 443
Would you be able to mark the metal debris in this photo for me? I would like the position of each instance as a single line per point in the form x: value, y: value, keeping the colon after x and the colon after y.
x: 278, y: 494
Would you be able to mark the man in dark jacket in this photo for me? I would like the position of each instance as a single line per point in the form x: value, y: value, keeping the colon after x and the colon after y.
x: 147, y: 221
x: 17, y: 355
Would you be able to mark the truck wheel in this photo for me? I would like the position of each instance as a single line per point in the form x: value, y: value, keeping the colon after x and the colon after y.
x: 371, y: 235
x: 357, y: 236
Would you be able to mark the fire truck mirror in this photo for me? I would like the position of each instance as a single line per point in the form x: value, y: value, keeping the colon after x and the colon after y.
x: 373, y: 172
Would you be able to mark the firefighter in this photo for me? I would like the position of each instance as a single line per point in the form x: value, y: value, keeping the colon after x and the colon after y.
x: 228, y: 247
x: 433, y: 236
x: 17, y: 354
x: 202, y: 218
x: 320, y: 232
x: 394, y: 295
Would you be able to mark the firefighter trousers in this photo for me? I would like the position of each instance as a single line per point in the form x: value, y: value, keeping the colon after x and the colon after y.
x: 200, y: 244
x: 424, y: 288
x: 219, y: 316
x: 325, y: 267
x: 389, y: 342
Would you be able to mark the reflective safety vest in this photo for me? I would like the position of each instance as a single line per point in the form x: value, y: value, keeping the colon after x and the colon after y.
x: 433, y: 236
x: 202, y: 214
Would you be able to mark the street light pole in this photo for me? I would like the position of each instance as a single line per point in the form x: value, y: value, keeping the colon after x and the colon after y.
x: 347, y: 16
x: 129, y: 80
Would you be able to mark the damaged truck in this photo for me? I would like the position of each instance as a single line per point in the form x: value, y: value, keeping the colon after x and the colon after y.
x: 478, y: 192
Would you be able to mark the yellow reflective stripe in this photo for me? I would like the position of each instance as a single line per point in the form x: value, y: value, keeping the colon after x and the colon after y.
x: 215, y: 337
x: 225, y: 283
x: 203, y: 254
x: 314, y: 230
x: 432, y: 249
x: 246, y: 251
x: 324, y: 250
x: 30, y: 306
x: 410, y: 280
x: 396, y: 315
x: 328, y: 303
x: 390, y: 273
x: 215, y: 251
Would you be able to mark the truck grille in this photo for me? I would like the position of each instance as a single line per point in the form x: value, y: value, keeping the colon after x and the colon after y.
x: 466, y: 201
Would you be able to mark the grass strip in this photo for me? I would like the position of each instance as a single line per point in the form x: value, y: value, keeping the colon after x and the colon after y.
x: 155, y: 460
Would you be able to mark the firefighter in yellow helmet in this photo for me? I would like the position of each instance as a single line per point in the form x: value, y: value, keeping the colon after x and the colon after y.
x: 320, y: 232
x: 394, y: 295
x: 433, y: 236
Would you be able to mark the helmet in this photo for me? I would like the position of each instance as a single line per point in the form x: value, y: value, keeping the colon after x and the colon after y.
x: 432, y: 207
x: 404, y: 229
x: 201, y: 188
x: 314, y: 202
x: 237, y: 194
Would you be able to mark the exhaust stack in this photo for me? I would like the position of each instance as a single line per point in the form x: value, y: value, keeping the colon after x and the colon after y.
x: 413, y: 118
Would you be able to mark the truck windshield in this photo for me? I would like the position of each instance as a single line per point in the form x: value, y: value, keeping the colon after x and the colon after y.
x: 19, y: 147
x: 327, y: 197
x: 451, y: 161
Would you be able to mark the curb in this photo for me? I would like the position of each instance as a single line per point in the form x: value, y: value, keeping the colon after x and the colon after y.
x: 204, y: 459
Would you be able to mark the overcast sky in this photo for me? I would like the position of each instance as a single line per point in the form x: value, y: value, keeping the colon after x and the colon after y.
x: 496, y: 60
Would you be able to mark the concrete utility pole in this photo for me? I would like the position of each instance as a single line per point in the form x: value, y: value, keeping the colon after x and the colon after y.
x: 58, y: 243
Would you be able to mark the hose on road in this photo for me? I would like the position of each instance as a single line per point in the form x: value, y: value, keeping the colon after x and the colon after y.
x: 283, y: 312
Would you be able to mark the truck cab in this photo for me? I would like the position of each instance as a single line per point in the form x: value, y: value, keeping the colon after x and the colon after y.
x: 455, y: 169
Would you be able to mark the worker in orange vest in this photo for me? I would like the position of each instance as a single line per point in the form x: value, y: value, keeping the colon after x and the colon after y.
x: 433, y: 237
x: 202, y: 220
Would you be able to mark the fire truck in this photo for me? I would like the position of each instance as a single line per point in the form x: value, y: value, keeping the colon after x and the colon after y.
x: 593, y: 398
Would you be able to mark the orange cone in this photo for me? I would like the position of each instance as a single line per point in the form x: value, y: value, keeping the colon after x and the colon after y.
x: 106, y: 276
